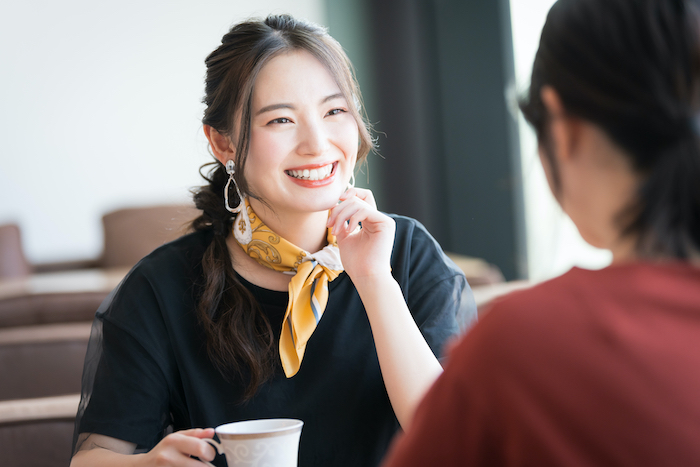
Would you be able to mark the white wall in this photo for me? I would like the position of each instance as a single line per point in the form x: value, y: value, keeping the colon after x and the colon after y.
x: 554, y: 245
x: 100, y: 109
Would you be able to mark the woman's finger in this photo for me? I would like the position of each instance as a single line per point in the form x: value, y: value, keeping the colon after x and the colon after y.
x: 347, y: 216
x: 369, y: 220
x: 191, y: 445
x: 360, y: 193
x: 198, y: 432
x: 202, y: 433
x: 342, y: 218
x: 367, y: 196
x: 338, y: 213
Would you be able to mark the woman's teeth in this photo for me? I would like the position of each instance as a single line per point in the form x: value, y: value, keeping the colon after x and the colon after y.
x: 313, y: 174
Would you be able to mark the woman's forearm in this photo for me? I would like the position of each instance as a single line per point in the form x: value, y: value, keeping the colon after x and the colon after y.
x: 175, y: 449
x: 101, y: 457
x: 408, y: 365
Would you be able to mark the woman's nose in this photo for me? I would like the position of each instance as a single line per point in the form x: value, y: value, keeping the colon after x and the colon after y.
x: 313, y: 139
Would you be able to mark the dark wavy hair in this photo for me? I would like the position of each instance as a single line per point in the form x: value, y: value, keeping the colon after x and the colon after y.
x: 239, y: 338
x: 632, y: 67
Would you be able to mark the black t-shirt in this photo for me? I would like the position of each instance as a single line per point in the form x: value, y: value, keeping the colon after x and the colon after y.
x: 147, y: 367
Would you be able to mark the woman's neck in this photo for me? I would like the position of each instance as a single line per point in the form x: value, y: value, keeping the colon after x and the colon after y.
x: 624, y: 250
x: 307, y: 231
x: 303, y: 229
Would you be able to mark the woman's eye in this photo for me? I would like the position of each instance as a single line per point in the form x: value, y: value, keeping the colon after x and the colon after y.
x: 279, y: 120
x: 336, y: 111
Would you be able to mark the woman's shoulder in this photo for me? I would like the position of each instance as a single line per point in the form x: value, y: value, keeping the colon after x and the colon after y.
x: 527, y: 324
x: 416, y: 249
x: 565, y: 320
x: 167, y: 271
x: 567, y: 291
x: 425, y: 273
x: 410, y: 233
x: 173, y: 262
x: 583, y: 299
x: 408, y: 225
x: 186, y: 249
x: 580, y: 288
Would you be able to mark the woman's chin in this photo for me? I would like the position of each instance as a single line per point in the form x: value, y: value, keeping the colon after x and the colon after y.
x: 311, y: 204
x: 322, y: 201
x: 324, y: 207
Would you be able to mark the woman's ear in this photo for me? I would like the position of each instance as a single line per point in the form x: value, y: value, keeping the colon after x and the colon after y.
x: 564, y: 130
x: 220, y: 144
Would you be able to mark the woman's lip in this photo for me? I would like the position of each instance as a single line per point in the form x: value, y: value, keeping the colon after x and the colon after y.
x: 316, y: 183
x: 312, y: 166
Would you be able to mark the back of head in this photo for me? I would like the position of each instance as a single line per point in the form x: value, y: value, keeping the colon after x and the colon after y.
x: 632, y: 67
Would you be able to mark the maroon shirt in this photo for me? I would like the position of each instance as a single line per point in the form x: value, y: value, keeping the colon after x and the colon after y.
x: 593, y: 368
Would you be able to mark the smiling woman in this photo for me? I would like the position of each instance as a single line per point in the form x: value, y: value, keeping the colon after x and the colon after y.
x: 294, y: 297
x: 301, y: 128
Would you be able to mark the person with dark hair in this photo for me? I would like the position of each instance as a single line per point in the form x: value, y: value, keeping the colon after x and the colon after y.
x: 291, y: 297
x: 594, y: 368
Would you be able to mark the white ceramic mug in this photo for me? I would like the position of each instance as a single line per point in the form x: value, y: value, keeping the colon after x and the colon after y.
x: 252, y: 443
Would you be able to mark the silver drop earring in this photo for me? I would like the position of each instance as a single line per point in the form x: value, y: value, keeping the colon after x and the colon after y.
x: 230, y: 170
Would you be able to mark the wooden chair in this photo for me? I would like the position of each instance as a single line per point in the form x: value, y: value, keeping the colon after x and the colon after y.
x: 130, y: 234
x: 13, y: 263
x: 477, y: 271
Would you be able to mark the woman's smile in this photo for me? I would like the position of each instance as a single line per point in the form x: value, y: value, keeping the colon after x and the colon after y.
x: 313, y: 175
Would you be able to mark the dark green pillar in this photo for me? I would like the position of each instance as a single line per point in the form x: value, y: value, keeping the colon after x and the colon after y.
x: 440, y: 73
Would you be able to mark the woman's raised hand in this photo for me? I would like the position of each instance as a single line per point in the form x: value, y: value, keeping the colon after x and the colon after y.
x: 365, y: 236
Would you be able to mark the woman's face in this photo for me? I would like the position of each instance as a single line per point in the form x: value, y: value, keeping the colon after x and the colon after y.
x: 303, y: 139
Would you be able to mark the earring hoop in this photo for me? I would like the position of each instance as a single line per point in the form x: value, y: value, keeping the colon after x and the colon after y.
x: 230, y: 170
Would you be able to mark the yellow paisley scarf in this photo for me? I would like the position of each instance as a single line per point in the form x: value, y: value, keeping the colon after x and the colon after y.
x: 308, y: 289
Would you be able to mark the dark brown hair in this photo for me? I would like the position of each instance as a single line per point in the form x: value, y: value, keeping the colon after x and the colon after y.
x: 632, y: 67
x: 240, y: 339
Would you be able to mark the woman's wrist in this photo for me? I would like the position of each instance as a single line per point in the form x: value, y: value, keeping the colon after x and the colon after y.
x: 369, y: 282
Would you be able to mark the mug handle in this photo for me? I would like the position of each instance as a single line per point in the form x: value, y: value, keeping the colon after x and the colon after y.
x: 216, y: 445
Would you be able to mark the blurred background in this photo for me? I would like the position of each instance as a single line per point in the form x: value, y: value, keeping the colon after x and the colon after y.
x: 100, y: 109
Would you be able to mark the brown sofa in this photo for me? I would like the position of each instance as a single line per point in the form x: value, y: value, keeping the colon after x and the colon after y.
x: 13, y: 263
x: 39, y: 394
x: 37, y: 432
x: 42, y: 360
x: 27, y: 310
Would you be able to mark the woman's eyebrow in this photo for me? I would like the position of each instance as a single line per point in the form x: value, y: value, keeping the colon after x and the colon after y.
x: 270, y: 107
x: 333, y: 96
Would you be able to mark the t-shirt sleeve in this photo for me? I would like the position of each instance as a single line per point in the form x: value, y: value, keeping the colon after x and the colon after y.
x: 438, y: 309
x: 437, y: 293
x: 128, y: 369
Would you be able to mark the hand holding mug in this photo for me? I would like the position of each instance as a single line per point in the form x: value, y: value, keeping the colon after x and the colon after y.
x: 178, y: 448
